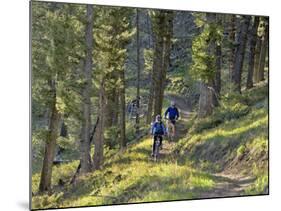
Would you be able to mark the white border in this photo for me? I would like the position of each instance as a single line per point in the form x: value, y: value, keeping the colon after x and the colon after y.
x: 14, y: 111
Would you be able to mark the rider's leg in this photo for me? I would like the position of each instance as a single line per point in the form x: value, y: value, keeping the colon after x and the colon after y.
x: 160, y: 138
x: 173, y: 129
x: 154, y: 143
x: 168, y: 129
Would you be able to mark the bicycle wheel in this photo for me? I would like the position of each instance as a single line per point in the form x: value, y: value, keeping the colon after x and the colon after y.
x: 156, y: 153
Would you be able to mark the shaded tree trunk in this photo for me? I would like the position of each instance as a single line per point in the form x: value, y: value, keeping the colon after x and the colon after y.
x: 257, y: 58
x: 158, y: 59
x: 240, y: 52
x: 50, y: 147
x: 122, y: 111
x: 263, y: 53
x: 116, y: 105
x: 150, y: 98
x: 167, y: 46
x: 163, y: 30
x: 217, y: 81
x: 205, y: 100
x: 99, y: 139
x: 252, y: 42
x: 138, y: 75
x: 231, y: 38
x: 85, y: 147
x: 152, y: 75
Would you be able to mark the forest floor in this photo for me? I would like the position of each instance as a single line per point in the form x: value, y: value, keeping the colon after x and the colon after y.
x: 227, y: 159
x: 226, y: 183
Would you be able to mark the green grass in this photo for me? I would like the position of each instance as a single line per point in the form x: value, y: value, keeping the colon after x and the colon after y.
x: 239, y: 141
x: 127, y: 177
x: 240, y: 137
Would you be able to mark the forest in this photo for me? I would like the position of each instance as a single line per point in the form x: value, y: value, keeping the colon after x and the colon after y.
x: 101, y: 75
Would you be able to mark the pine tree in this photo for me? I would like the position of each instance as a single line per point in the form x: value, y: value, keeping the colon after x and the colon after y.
x: 85, y: 146
x: 251, y: 56
x: 205, y: 62
x: 51, y: 38
x: 162, y: 25
x: 240, y: 52
x: 113, y: 32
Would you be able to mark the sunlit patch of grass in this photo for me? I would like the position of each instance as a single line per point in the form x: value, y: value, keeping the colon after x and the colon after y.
x: 135, y: 181
x: 246, y: 137
x: 259, y: 187
x: 63, y: 172
x: 130, y: 176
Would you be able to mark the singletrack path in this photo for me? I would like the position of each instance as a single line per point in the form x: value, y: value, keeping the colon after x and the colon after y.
x: 227, y: 184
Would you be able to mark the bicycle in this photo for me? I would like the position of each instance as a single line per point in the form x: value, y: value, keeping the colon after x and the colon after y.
x: 157, y: 149
x: 171, y: 126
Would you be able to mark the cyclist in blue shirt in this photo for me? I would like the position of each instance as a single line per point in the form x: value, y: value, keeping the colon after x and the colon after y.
x: 171, y: 114
x: 157, y: 130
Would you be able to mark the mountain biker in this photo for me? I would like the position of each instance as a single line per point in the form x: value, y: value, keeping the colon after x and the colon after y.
x: 157, y: 130
x: 173, y: 114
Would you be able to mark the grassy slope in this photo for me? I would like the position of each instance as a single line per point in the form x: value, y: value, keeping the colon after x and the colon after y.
x: 237, y: 145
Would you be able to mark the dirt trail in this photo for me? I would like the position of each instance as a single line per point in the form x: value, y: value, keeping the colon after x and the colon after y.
x: 184, y: 108
x: 227, y: 184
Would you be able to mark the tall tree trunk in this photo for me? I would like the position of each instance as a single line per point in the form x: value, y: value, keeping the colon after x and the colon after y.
x: 158, y: 55
x: 99, y: 140
x: 206, y: 98
x: 231, y: 38
x: 116, y: 105
x: 122, y: 111
x: 252, y: 41
x: 167, y: 46
x: 152, y: 75
x: 239, y: 52
x: 257, y: 58
x: 46, y: 173
x: 150, y: 101
x: 85, y: 147
x: 163, y: 29
x: 263, y: 53
x: 217, y: 81
x: 138, y: 75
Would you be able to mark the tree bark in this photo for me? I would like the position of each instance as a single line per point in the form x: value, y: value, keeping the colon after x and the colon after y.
x: 122, y: 111
x: 116, y: 105
x: 85, y: 147
x: 46, y: 173
x: 251, y: 62
x: 205, y: 100
x: 257, y: 58
x: 167, y: 46
x: 138, y: 75
x: 152, y: 75
x: 240, y: 52
x: 207, y: 92
x: 99, y: 140
x: 163, y: 25
x: 263, y: 53
x: 217, y: 81
x: 231, y: 38
x: 158, y: 60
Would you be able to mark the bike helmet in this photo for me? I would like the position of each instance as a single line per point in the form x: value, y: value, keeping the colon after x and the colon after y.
x: 158, y: 117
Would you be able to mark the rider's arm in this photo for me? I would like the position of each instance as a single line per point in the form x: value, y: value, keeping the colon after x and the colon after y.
x: 178, y: 114
x: 152, y: 129
x: 164, y: 129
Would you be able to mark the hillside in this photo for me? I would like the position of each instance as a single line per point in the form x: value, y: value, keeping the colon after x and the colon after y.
x: 222, y: 155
